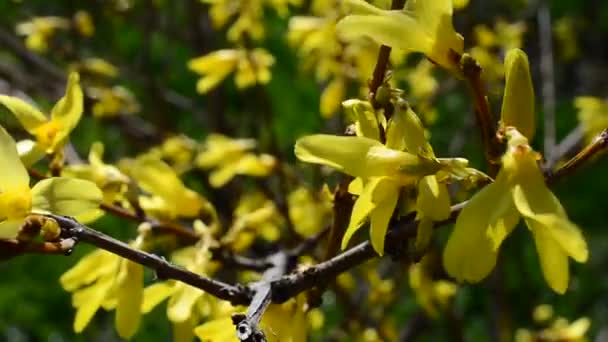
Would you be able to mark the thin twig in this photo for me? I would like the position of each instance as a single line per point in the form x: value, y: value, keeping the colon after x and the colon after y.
x: 382, y: 64
x: 599, y: 144
x: 483, y: 114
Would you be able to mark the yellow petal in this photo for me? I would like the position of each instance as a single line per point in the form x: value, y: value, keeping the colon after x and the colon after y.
x: 366, y: 121
x: 553, y: 259
x: 183, y: 331
x: 9, y: 229
x: 424, y: 26
x: 505, y: 216
x: 433, y: 199
x: 518, y: 101
x: 155, y: 294
x: 68, y: 110
x: 405, y: 131
x: 361, y: 157
x: 356, y: 186
x: 565, y: 233
x: 13, y: 175
x: 88, y: 268
x: 93, y: 296
x: 470, y: 253
x: 219, y: 330
x: 424, y: 234
x: 331, y: 97
x: 29, y: 152
x: 67, y: 196
x: 29, y: 117
x: 129, y: 286
x: 361, y: 209
x: 214, y: 67
x: 181, y: 304
x: 381, y: 215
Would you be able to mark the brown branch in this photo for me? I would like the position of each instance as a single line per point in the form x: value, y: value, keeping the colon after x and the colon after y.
x: 382, y: 63
x: 71, y: 229
x: 483, y: 114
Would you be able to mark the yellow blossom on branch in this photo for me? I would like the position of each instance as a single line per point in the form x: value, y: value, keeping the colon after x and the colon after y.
x: 39, y: 30
x: 57, y: 195
x: 230, y: 157
x: 383, y: 170
x: 102, y: 279
x: 422, y: 26
x: 251, y: 66
x: 519, y: 191
x: 51, y: 133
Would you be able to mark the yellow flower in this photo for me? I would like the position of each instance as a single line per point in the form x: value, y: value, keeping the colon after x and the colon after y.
x: 39, y: 30
x: 108, y: 178
x: 593, y: 114
x: 422, y: 26
x: 254, y: 216
x: 230, y: 157
x: 102, y: 279
x: 98, y: 67
x: 308, y: 212
x: 252, y: 67
x: 170, y: 197
x: 84, y: 23
x: 57, y: 195
x: 382, y: 170
x: 51, y: 134
x: 112, y: 102
x: 519, y: 191
x: 431, y: 295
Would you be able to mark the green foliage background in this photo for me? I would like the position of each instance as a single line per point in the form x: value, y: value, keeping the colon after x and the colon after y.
x: 152, y: 43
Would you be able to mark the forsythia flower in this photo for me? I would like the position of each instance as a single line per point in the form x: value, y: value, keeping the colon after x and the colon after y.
x: 382, y: 170
x: 39, y: 30
x: 102, y: 279
x: 322, y: 51
x: 422, y: 26
x: 108, y: 178
x: 559, y: 330
x: 97, y: 66
x: 178, y: 151
x: 114, y: 101
x: 231, y: 157
x: 254, y: 215
x: 252, y: 67
x: 431, y: 295
x: 593, y: 114
x: 51, y: 134
x: 84, y: 23
x: 249, y: 15
x: 519, y: 191
x: 57, y: 195
x: 170, y: 198
x: 308, y: 212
